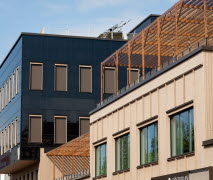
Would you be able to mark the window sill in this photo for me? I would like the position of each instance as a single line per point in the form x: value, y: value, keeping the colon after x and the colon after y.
x: 181, y: 156
x: 121, y: 171
x: 147, y: 165
x: 100, y: 177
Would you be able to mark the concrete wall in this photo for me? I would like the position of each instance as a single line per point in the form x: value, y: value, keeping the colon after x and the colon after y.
x: 189, y: 81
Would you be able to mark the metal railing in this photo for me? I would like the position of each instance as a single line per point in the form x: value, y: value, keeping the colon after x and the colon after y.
x: 79, y: 175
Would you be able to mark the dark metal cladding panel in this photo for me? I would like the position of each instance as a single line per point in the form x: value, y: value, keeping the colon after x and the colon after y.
x: 73, y: 52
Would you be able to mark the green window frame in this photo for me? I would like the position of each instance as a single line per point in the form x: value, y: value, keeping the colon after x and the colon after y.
x: 122, y: 152
x: 101, y: 160
x: 149, y: 144
x: 182, y: 132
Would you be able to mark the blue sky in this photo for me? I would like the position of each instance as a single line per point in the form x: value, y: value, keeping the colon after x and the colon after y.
x: 73, y: 17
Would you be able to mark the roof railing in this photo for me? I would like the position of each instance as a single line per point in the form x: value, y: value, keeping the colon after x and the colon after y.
x: 203, y: 42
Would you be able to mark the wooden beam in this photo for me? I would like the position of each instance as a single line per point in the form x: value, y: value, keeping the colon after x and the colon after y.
x: 159, y: 42
x: 205, y: 18
x: 101, y: 83
x: 195, y: 7
x: 143, y: 54
x: 54, y: 161
x: 116, y: 63
x: 63, y: 164
x: 176, y: 30
x: 129, y: 62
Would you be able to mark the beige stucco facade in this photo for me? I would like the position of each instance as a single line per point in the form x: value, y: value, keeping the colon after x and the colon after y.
x: 189, y: 83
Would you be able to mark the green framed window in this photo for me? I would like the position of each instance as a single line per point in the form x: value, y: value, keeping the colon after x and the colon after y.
x: 122, y: 155
x: 182, y: 132
x: 101, y: 160
x: 149, y: 144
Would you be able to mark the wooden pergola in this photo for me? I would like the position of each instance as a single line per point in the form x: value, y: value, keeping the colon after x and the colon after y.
x: 72, y: 157
x: 179, y: 29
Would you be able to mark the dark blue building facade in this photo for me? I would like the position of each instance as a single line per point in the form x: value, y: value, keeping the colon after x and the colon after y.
x: 19, y: 102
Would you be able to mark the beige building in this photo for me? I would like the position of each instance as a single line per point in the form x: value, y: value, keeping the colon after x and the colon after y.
x: 184, y: 90
x: 160, y: 126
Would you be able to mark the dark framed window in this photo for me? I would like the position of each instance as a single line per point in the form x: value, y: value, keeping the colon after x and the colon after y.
x: 109, y: 80
x: 39, y: 78
x: 149, y: 144
x: 182, y: 132
x: 122, y: 152
x: 101, y: 160
x: 84, y: 125
x: 60, y: 129
x: 85, y: 79
x: 61, y: 77
x: 36, y: 77
x: 35, y: 123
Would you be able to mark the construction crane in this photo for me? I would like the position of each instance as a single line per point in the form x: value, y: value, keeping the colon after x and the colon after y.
x: 115, y: 29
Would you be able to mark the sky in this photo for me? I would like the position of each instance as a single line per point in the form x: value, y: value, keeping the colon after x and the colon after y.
x: 71, y: 17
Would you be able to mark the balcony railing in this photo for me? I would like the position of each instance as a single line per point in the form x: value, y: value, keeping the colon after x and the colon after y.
x: 153, y: 72
x: 80, y: 175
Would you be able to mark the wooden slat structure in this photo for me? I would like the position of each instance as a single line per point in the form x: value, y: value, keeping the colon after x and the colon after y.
x: 177, y: 30
x: 73, y: 157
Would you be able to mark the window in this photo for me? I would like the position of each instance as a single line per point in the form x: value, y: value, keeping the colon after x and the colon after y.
x: 85, y: 82
x: 13, y: 85
x: 0, y: 101
x: 60, y: 129
x: 149, y: 144
x: 36, y: 77
x: 135, y: 73
x: 17, y: 78
x: 35, y: 135
x: 2, y: 142
x: 100, y: 160
x: 16, y: 131
x: 2, y: 98
x: 10, y: 88
x: 32, y: 175
x: 36, y: 178
x: 182, y: 132
x: 9, y: 137
x: 12, y: 135
x: 84, y: 125
x: 60, y: 77
x: 6, y: 94
x: 6, y: 140
x: 122, y: 152
x: 109, y: 80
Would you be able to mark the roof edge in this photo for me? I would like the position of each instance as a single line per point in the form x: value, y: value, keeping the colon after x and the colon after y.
x: 70, y: 36
x: 54, y: 35
x: 16, y: 42
x: 155, y: 15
